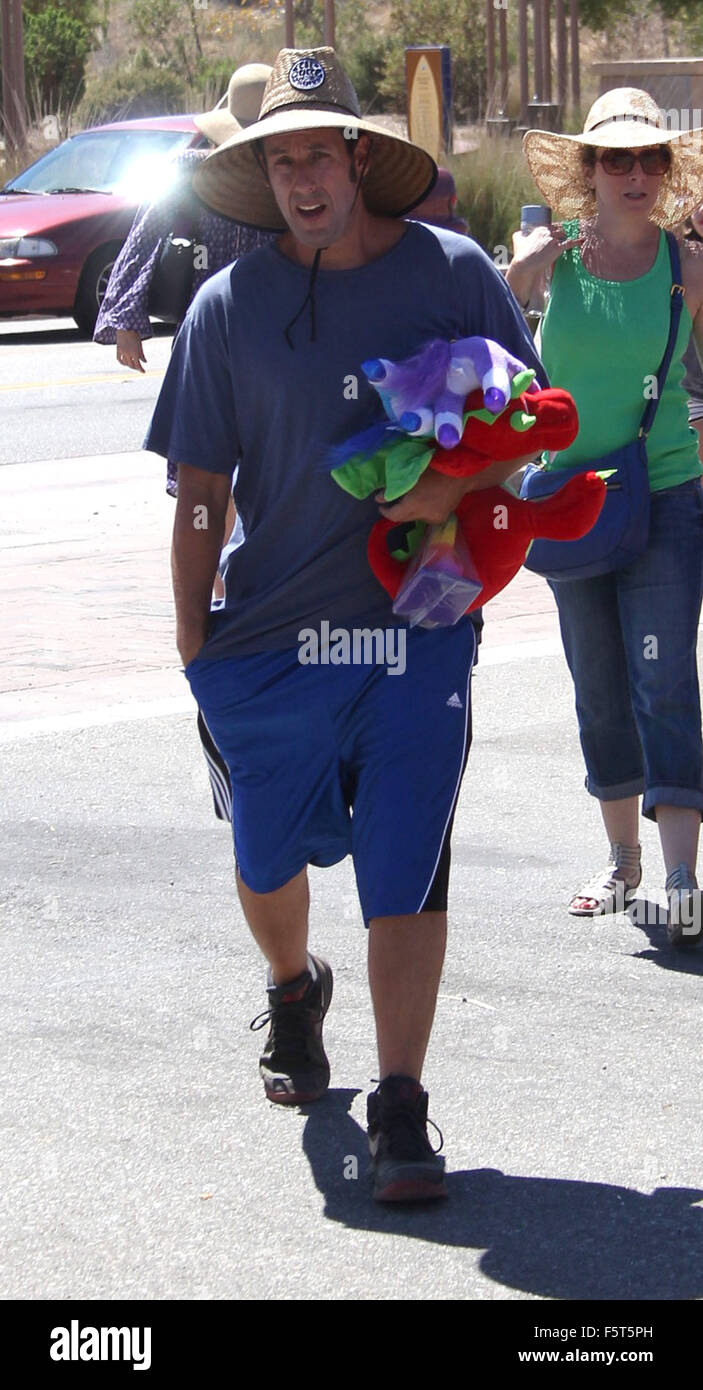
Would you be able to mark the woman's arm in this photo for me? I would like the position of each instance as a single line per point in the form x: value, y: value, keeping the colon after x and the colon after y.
x: 692, y: 276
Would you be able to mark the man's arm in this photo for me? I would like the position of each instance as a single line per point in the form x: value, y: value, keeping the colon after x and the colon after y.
x: 198, y: 534
x: 435, y: 495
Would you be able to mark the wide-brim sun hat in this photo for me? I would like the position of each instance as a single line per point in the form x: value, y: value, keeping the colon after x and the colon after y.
x: 239, y: 107
x: 624, y: 118
x: 309, y: 90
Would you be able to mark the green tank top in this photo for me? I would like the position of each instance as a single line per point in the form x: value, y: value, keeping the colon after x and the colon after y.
x: 603, y: 341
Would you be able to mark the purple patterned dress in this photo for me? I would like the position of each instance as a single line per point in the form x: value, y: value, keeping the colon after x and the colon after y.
x: 125, y: 305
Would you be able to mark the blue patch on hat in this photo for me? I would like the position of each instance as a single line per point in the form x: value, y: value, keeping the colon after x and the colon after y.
x: 306, y: 74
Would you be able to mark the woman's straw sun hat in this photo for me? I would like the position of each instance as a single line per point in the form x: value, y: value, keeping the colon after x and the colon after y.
x: 239, y: 106
x: 309, y: 90
x: 624, y: 118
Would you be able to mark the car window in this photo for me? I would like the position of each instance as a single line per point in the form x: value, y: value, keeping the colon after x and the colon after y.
x: 111, y: 161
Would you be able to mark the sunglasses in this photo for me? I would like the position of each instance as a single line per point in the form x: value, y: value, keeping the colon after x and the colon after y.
x: 654, y: 161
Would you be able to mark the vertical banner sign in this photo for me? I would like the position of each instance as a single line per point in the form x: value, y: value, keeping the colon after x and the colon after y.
x: 429, y: 97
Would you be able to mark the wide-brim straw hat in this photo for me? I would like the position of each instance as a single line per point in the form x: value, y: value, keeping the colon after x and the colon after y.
x: 309, y: 90
x: 239, y: 107
x: 624, y: 118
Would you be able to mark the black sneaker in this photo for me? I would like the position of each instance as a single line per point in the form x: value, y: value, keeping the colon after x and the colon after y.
x: 404, y: 1164
x: 293, y: 1063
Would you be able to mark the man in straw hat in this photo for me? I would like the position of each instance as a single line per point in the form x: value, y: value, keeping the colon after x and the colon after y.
x: 265, y: 376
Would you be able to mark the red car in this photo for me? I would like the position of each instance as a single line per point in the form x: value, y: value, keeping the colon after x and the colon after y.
x: 64, y: 219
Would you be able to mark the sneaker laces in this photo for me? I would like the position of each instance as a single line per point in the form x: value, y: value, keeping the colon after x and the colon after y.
x: 409, y: 1124
x: 404, y: 1128
x: 289, y: 1026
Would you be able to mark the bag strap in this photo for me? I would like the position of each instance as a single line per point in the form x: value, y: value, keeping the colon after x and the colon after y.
x: 676, y: 303
x: 185, y: 221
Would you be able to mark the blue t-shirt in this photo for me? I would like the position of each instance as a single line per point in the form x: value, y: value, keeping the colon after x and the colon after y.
x: 236, y: 396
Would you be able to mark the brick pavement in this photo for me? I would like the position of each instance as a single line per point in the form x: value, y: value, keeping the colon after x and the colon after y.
x: 86, y: 600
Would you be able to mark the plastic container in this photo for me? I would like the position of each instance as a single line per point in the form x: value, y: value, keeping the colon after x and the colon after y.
x: 441, y: 581
x: 536, y: 215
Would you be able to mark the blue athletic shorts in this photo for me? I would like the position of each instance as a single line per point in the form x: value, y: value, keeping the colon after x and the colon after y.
x: 329, y: 760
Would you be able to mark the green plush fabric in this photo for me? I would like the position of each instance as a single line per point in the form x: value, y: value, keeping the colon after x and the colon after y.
x: 395, y: 468
x: 411, y: 543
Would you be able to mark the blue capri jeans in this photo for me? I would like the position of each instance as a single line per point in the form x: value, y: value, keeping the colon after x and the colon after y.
x: 630, y: 641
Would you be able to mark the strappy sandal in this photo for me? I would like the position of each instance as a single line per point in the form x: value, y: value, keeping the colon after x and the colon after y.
x: 684, y: 927
x: 606, y: 893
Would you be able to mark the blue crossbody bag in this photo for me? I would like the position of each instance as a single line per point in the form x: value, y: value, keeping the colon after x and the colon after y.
x: 622, y: 530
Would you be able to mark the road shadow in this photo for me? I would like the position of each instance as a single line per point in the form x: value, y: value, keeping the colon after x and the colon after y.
x: 544, y: 1236
x: 651, y: 917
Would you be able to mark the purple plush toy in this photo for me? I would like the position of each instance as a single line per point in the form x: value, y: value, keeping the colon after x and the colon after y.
x: 425, y: 395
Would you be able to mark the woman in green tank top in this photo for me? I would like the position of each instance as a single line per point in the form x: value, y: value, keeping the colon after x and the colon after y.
x: 629, y: 636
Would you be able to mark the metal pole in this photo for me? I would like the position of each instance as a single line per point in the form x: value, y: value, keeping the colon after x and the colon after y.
x: 575, y: 64
x: 560, y: 22
x: 290, y: 25
x: 329, y: 23
x: 490, y: 56
x: 14, y: 106
x: 524, y: 60
x: 537, y: 45
x: 546, y: 51
x: 504, y: 79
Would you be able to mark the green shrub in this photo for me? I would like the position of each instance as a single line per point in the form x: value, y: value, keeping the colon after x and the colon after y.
x: 459, y: 23
x: 492, y: 182
x: 56, y: 47
x: 365, y: 60
x: 137, y: 88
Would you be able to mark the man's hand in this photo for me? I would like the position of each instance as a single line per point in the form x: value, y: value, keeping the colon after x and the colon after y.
x: 198, y: 534
x: 189, y: 643
x: 435, y: 496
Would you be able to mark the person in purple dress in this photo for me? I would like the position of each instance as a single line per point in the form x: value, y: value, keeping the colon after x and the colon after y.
x: 124, y: 313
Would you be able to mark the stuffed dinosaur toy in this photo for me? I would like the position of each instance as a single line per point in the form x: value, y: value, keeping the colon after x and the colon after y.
x: 386, y: 457
x: 497, y: 527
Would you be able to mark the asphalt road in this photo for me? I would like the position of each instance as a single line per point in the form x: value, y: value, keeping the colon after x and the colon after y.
x: 63, y: 397
x: 139, y: 1157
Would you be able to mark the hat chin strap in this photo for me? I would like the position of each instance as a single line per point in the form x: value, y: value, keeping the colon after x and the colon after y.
x: 309, y: 299
x: 310, y: 296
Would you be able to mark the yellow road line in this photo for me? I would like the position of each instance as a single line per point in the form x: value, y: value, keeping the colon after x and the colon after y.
x: 79, y: 380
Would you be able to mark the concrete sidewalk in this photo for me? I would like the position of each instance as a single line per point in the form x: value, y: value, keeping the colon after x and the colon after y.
x: 87, y: 605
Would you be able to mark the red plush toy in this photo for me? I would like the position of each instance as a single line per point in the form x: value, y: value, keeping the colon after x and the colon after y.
x: 497, y: 526
x: 498, y: 529
x: 532, y: 421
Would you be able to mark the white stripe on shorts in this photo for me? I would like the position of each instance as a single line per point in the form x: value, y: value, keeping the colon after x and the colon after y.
x: 467, y: 707
x: 217, y: 770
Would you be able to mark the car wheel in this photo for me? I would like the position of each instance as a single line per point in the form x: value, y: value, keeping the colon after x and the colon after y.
x: 93, y: 284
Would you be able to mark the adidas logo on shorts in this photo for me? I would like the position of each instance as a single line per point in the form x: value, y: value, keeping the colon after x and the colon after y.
x: 454, y: 702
